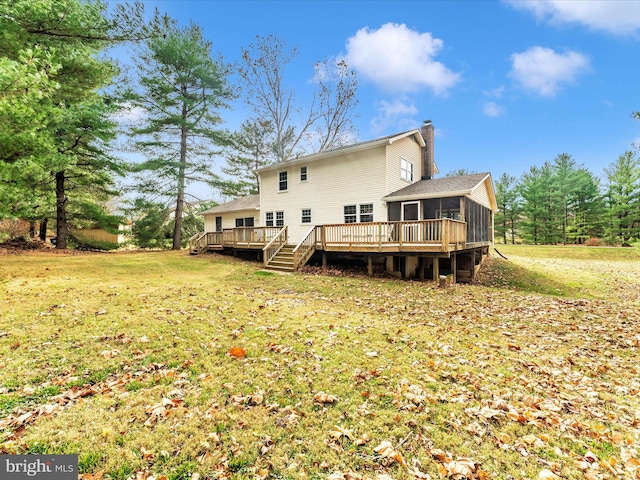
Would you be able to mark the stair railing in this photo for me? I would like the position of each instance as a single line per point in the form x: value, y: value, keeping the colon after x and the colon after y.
x: 195, y: 242
x: 272, y: 248
x: 304, y: 249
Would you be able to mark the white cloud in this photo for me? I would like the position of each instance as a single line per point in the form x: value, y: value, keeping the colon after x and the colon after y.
x: 129, y: 115
x: 495, y: 93
x: 492, y: 109
x: 620, y: 17
x: 542, y: 70
x: 399, y: 59
x: 397, y: 115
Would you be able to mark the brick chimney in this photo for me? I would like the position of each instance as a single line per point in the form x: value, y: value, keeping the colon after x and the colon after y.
x: 428, y: 162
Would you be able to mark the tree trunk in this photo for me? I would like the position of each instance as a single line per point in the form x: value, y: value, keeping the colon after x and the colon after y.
x: 61, y: 213
x: 32, y: 229
x: 43, y: 229
x: 177, y: 227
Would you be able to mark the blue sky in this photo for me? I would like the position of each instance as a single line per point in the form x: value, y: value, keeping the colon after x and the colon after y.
x: 507, y: 84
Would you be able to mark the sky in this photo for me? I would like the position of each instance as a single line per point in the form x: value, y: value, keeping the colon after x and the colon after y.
x: 508, y: 84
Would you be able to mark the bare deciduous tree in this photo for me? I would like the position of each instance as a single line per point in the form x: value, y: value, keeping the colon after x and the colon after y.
x: 329, y: 109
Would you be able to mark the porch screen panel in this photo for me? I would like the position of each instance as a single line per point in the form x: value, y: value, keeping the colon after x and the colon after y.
x: 477, y: 218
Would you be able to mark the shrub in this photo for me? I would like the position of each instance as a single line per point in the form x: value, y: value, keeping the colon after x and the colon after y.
x: 593, y: 242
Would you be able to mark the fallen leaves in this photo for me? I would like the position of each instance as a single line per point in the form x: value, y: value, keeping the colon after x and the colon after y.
x: 323, y: 398
x: 238, y: 352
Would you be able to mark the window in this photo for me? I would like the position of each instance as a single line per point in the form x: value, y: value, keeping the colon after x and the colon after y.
x: 350, y: 214
x: 366, y: 212
x: 218, y: 224
x: 282, y: 184
x: 269, y: 219
x: 406, y: 170
x: 303, y: 174
x: 306, y: 215
x: 244, y: 222
x: 279, y: 219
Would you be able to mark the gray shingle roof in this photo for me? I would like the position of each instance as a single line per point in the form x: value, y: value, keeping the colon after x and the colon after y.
x: 439, y: 186
x: 250, y: 202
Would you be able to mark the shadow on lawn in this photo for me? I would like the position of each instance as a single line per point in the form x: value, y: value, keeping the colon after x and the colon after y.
x: 500, y: 273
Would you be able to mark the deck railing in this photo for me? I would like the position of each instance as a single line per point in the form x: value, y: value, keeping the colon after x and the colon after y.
x: 273, y: 247
x: 304, y: 249
x: 214, y: 238
x: 439, y: 232
x: 252, y: 237
x: 438, y: 235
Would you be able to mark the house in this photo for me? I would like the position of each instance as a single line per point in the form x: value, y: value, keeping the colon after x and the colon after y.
x: 376, y: 200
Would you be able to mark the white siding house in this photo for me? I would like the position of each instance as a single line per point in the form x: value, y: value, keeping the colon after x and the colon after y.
x: 341, y: 186
x: 377, y: 200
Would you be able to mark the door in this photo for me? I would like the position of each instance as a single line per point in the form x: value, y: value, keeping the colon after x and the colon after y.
x: 411, y: 212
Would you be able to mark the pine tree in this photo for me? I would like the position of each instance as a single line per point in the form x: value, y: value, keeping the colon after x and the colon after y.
x: 252, y: 148
x: 508, y: 200
x: 623, y: 199
x: 182, y: 88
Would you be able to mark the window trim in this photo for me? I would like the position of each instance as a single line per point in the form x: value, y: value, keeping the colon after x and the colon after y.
x: 406, y: 170
x: 281, y: 181
x: 303, y: 216
x: 361, y: 214
x: 354, y: 214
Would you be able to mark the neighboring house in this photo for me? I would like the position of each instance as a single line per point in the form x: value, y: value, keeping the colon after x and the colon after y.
x: 376, y: 200
x: 101, y: 235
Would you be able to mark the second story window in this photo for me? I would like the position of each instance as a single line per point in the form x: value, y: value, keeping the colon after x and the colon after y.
x: 303, y: 174
x: 406, y: 170
x: 282, y: 183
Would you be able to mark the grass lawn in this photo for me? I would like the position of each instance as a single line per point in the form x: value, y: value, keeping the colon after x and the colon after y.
x: 164, y: 365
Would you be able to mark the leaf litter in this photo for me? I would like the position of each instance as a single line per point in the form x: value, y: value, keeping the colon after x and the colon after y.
x: 470, y: 382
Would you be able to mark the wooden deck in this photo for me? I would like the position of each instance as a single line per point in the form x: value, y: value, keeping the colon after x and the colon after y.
x: 440, y: 236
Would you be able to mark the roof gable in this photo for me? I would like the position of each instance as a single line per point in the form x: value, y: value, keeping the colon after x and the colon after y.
x: 445, y: 187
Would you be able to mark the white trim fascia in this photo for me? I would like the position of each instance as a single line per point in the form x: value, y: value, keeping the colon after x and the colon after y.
x: 421, y: 196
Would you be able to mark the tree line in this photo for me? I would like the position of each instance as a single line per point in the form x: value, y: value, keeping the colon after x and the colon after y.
x: 62, y: 99
x: 563, y: 202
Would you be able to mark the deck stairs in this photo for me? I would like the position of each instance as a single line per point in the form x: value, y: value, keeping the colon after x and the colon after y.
x: 283, y: 261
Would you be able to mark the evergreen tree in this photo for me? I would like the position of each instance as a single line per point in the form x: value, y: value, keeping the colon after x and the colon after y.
x: 182, y: 88
x: 252, y: 148
x: 508, y: 200
x: 623, y: 199
x: 55, y: 120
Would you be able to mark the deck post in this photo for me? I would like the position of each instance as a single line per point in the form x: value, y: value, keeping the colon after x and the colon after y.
x: 454, y: 265
x: 324, y: 261
x: 421, y: 269
x: 370, y: 265
x: 436, y: 268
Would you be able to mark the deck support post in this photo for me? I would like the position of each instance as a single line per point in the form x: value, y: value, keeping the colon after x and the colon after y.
x: 454, y: 266
x: 324, y: 261
x: 421, y: 269
x: 436, y: 268
x: 370, y: 265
